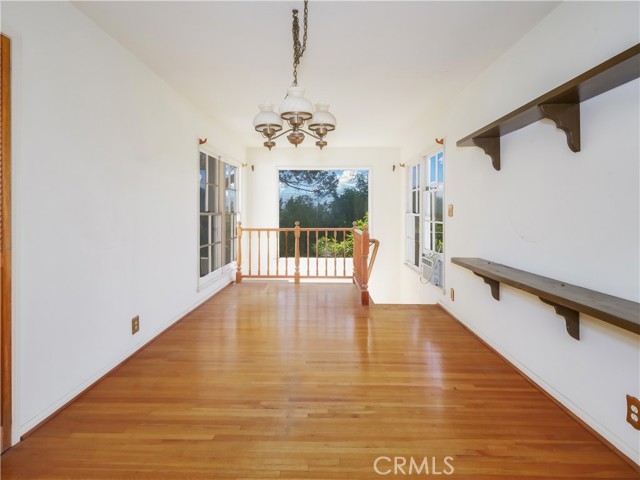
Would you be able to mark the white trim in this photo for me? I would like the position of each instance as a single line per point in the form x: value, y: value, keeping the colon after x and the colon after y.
x: 208, y: 149
x: 427, y: 190
x: 408, y: 208
x: 411, y: 265
x: 434, y: 149
x: 205, y: 282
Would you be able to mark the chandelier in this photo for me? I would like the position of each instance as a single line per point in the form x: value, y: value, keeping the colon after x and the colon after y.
x: 295, y: 110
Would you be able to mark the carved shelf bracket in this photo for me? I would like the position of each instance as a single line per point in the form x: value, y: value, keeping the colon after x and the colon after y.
x: 493, y: 284
x: 491, y: 146
x: 562, y: 104
x: 568, y: 300
x: 566, y: 116
x: 571, y: 317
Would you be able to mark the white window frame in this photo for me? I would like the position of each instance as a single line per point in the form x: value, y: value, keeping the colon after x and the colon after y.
x: 426, y: 185
x: 230, y: 231
x: 413, y: 215
x: 224, y: 268
x: 434, y: 188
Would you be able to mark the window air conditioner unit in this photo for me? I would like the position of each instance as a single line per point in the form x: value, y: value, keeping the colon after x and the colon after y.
x: 431, y: 264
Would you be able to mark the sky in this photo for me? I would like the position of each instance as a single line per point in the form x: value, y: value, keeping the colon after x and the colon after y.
x: 346, y: 179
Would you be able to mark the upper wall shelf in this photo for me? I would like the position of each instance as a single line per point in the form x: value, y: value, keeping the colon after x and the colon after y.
x: 562, y: 104
x: 568, y: 300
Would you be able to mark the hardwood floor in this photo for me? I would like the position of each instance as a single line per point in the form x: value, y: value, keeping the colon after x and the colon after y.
x: 282, y: 381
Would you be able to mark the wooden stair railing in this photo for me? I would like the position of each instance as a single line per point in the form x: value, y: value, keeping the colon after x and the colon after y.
x: 362, y: 267
x: 290, y: 253
x: 376, y: 245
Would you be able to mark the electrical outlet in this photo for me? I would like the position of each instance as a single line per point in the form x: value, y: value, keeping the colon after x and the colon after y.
x: 452, y: 294
x: 633, y: 412
x: 135, y: 325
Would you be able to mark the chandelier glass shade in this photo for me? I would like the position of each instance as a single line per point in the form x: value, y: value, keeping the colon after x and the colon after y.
x: 295, y: 110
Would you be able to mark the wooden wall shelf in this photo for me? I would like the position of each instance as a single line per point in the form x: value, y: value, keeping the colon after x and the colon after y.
x: 568, y: 300
x: 562, y: 104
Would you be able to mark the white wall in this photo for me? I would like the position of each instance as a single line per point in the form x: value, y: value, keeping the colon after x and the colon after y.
x: 569, y: 216
x: 261, y: 202
x: 105, y: 185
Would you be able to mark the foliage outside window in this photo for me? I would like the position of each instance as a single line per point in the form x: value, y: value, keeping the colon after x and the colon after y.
x: 218, y: 213
x: 330, y: 247
x: 323, y: 199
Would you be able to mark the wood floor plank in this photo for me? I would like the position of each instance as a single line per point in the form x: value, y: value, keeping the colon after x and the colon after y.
x: 301, y: 382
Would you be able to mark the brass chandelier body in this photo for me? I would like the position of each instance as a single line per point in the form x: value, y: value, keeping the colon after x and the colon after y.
x: 295, y: 110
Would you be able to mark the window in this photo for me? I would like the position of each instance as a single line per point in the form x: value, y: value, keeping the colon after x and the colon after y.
x: 433, y: 205
x: 218, y: 213
x: 413, y: 216
x: 230, y: 211
x: 425, y: 208
x: 323, y: 198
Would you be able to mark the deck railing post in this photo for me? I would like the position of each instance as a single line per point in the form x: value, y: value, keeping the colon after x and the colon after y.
x: 297, y: 250
x: 239, y: 260
x: 365, y: 266
x: 355, y: 255
x: 361, y: 261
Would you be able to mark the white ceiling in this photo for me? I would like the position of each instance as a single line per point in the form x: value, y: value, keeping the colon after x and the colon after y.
x: 382, y: 66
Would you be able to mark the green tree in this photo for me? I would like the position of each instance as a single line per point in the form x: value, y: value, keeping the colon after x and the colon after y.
x: 362, y: 181
x: 306, y: 211
x: 319, y: 183
x: 348, y: 206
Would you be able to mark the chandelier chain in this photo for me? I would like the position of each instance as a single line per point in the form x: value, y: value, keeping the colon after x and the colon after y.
x: 299, y: 48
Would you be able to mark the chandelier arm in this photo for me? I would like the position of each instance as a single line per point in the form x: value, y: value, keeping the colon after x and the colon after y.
x: 274, y: 137
x: 281, y: 134
x: 310, y: 134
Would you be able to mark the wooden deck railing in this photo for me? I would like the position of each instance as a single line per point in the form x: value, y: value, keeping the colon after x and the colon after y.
x: 312, y: 253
